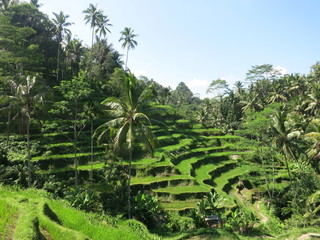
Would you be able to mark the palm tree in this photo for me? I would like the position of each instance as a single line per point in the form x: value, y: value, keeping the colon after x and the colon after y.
x: 103, y: 24
x: 93, y: 16
x: 29, y: 95
x: 9, y: 104
x: 285, y: 136
x: 129, y: 121
x: 35, y: 3
x: 5, y: 4
x: 314, y: 100
x: 91, y: 109
x: 61, y: 24
x: 127, y: 37
x: 74, y: 50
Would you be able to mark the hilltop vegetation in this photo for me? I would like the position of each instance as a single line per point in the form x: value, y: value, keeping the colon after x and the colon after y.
x: 82, y: 129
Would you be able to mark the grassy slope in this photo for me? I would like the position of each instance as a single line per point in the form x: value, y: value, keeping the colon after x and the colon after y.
x: 29, y: 214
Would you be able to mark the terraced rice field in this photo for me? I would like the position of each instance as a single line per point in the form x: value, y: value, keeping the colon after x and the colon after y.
x: 190, y: 163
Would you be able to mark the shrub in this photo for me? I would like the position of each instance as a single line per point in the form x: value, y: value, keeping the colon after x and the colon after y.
x: 146, y: 209
x: 177, y: 223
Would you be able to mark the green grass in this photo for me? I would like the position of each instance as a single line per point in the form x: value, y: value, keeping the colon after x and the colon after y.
x: 180, y: 205
x: 53, y: 219
x: 174, y: 135
x: 182, y: 189
x: 224, y: 178
x: 182, y: 143
x: 151, y: 179
x: 203, y: 173
x: 8, y: 216
x: 296, y: 233
x: 185, y: 166
x: 64, y: 156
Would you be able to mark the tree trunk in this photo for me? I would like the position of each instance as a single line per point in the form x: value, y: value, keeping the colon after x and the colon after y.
x: 29, y: 154
x: 58, y: 61
x: 288, y: 169
x: 8, y: 126
x: 75, y: 139
x: 127, y: 59
x: 129, y: 187
x: 91, y: 157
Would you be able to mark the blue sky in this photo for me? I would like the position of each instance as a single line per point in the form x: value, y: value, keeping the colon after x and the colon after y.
x: 197, y: 41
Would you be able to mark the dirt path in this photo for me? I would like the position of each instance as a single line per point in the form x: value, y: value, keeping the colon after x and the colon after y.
x: 254, y: 207
x: 263, y: 218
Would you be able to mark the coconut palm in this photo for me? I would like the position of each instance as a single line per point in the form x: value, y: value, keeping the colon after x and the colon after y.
x: 61, y: 24
x: 313, y: 101
x: 74, y: 50
x: 29, y: 96
x: 92, y: 15
x: 286, y: 137
x: 5, y: 4
x: 127, y: 37
x: 103, y: 24
x: 35, y: 3
x: 129, y: 121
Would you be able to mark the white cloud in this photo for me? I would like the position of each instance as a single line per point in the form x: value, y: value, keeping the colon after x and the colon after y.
x: 281, y: 70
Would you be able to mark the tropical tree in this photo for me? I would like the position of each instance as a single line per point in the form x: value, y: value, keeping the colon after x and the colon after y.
x: 74, y: 51
x: 74, y: 92
x: 313, y: 101
x: 91, y: 109
x: 28, y: 98
x: 127, y: 37
x: 35, y: 3
x: 103, y: 24
x: 129, y: 121
x: 286, y: 136
x: 61, y: 24
x: 93, y: 15
x: 5, y: 4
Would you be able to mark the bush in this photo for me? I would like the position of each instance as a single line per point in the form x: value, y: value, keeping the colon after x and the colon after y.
x: 241, y: 221
x: 177, y: 223
x: 84, y: 200
x: 146, y: 209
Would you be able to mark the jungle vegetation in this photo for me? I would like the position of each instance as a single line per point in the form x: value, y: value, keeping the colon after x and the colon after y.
x: 79, y: 130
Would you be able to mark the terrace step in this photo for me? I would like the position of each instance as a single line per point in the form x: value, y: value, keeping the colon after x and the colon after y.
x: 179, y: 205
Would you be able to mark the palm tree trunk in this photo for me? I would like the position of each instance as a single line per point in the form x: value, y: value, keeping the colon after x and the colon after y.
x: 91, y: 172
x: 288, y: 169
x: 75, y: 146
x: 29, y: 154
x: 58, y: 58
x: 127, y: 58
x: 8, y: 127
x: 129, y: 187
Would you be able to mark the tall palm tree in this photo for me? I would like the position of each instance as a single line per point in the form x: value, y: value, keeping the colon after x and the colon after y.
x: 127, y: 37
x: 92, y: 15
x: 103, y: 24
x: 61, y: 24
x: 130, y: 121
x: 91, y: 109
x: 286, y: 137
x: 29, y: 96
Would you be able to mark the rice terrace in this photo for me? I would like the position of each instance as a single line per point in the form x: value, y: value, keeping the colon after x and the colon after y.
x: 90, y: 149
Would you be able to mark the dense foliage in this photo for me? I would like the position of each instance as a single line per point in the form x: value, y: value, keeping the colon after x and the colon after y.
x: 76, y: 123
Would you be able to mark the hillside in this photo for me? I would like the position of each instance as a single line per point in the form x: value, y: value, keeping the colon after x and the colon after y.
x: 32, y: 214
